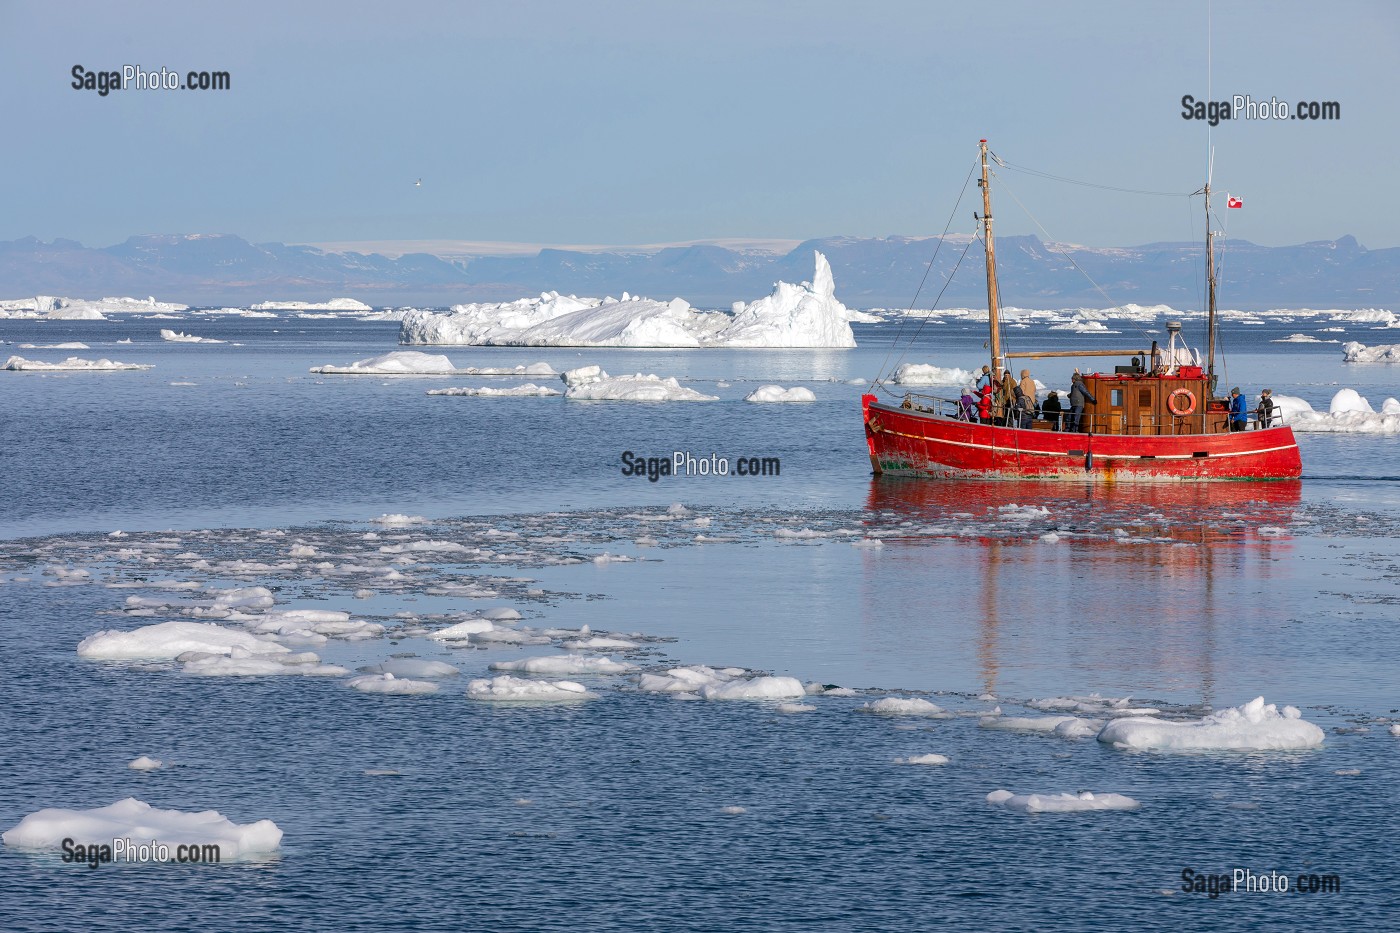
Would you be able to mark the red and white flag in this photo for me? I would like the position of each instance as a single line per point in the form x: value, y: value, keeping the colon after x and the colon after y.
x: 1233, y: 201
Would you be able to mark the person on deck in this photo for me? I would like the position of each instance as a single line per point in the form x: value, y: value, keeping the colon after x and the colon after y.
x: 1079, y: 395
x: 1239, y: 418
x: 985, y: 379
x: 984, y: 402
x: 1006, y: 399
x: 1050, y: 410
x: 1267, y: 411
x: 967, y: 407
x: 1027, y: 402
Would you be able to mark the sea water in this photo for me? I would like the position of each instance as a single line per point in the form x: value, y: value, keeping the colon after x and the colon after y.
x: 231, y: 465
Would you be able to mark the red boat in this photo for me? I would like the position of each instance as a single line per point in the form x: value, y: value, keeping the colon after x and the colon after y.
x: 1154, y: 419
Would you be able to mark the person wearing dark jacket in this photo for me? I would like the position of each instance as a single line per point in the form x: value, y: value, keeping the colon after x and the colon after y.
x: 1267, y: 411
x: 1079, y: 395
x: 1050, y: 410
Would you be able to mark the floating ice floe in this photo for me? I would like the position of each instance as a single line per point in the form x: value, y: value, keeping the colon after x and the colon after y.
x: 1061, y: 803
x: 71, y: 365
x: 565, y: 664
x: 925, y: 374
x: 733, y: 811
x: 463, y: 630
x: 74, y: 345
x: 755, y: 688
x: 1251, y: 727
x: 796, y: 708
x: 1348, y: 413
x: 83, y: 309
x: 779, y: 394
x: 302, y: 622
x: 1084, y: 327
x: 388, y: 683
x: 169, y: 640
x: 394, y: 519
x: 397, y: 363
x: 600, y: 643
x: 243, y: 663
x: 145, y: 763
x: 142, y: 824
x: 412, y: 667
x: 806, y: 315
x: 1356, y: 352
x: 929, y: 759
x: 335, y: 304
x: 528, y: 390
x: 906, y: 706
x: 176, y: 336
x: 1301, y: 338
x: 1068, y: 727
x: 591, y: 383
x: 689, y: 679
x: 508, y: 689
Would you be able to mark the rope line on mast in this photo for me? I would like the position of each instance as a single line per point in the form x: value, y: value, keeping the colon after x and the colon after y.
x: 1086, y: 184
x: 904, y: 319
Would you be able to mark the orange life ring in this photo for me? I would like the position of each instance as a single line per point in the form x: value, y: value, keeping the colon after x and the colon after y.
x: 1190, y: 402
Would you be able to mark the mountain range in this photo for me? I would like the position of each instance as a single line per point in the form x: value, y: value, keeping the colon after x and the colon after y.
x: 217, y: 269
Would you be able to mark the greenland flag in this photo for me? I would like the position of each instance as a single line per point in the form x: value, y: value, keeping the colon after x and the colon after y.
x: 1233, y: 201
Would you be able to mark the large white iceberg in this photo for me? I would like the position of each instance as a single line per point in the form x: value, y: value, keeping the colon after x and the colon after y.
x: 142, y: 824
x: 1254, y: 726
x: 336, y: 304
x: 807, y: 315
x: 83, y: 309
x: 1348, y: 413
x: 1356, y: 352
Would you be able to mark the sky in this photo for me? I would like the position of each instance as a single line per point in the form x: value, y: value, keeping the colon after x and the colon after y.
x: 619, y: 122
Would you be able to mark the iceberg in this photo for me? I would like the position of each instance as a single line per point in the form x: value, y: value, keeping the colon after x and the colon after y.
x: 389, y: 684
x: 755, y: 688
x: 1356, y: 352
x: 169, y: 640
x: 141, y: 823
x: 779, y: 394
x: 1254, y: 726
x: 591, y: 383
x: 71, y: 365
x: 84, y: 309
x: 1348, y: 413
x: 924, y: 374
x: 899, y: 706
x: 337, y: 304
x: 806, y: 315
x: 178, y: 337
x: 397, y: 363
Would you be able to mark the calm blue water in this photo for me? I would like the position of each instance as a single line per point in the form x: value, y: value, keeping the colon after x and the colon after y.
x: 607, y: 815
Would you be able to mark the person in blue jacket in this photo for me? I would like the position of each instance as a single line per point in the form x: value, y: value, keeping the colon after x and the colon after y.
x: 1239, y: 418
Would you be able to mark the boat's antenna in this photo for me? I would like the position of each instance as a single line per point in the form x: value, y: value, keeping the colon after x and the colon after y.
x: 993, y: 318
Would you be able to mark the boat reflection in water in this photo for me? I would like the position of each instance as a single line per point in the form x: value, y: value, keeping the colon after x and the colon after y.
x: 1159, y: 587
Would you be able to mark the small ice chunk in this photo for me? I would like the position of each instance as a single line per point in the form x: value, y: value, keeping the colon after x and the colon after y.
x: 508, y: 689
x: 1061, y: 803
x: 929, y: 759
x: 388, y: 683
x: 412, y: 667
x: 565, y: 664
x: 733, y: 811
x: 772, y: 393
x: 756, y: 688
x: 796, y: 708
x: 463, y: 630
x: 906, y: 706
x: 145, y: 763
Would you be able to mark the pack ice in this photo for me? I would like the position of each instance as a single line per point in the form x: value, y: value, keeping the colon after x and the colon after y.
x: 806, y: 315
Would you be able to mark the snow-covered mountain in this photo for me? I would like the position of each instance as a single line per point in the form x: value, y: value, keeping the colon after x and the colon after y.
x: 204, y: 269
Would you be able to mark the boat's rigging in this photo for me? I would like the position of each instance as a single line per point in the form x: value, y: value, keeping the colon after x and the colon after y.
x: 904, y: 319
x: 1086, y: 184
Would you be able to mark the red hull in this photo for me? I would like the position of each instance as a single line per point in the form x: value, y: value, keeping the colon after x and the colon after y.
x: 903, y: 441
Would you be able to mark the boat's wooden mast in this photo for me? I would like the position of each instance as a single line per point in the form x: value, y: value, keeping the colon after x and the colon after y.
x: 993, y: 312
x: 1210, y: 295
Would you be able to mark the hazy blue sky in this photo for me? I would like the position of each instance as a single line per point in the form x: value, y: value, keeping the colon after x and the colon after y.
x: 641, y: 122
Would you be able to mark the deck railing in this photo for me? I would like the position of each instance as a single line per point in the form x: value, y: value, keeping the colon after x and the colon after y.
x: 1140, y: 424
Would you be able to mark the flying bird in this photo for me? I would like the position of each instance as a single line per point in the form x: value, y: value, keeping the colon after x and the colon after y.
x: 418, y: 183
